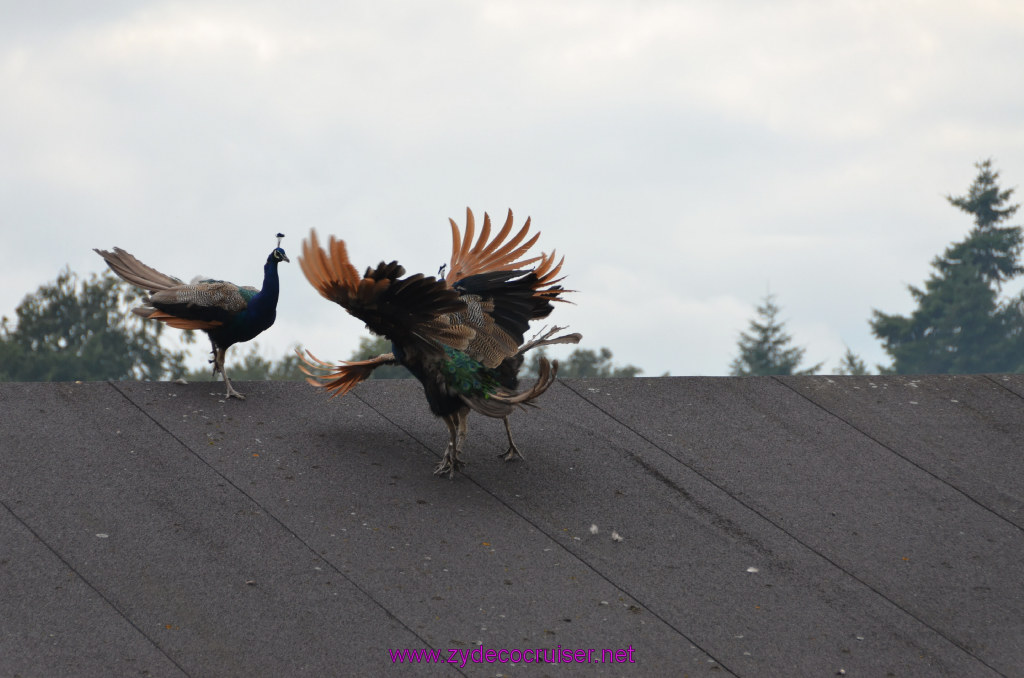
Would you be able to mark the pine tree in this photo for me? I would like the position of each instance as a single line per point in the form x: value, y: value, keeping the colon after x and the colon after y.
x: 992, y: 249
x: 851, y: 364
x: 765, y: 349
x: 960, y: 326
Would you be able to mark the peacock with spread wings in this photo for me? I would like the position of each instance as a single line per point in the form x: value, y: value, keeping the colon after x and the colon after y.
x: 461, y: 335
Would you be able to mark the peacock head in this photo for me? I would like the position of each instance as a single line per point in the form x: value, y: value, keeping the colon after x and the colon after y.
x: 278, y: 253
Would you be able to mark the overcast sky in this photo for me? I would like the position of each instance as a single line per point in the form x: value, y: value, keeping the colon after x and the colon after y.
x: 686, y: 157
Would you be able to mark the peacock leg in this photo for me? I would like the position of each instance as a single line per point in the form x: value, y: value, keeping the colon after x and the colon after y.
x: 462, y: 426
x: 213, y: 357
x: 219, y: 367
x: 450, y: 461
x: 512, y: 451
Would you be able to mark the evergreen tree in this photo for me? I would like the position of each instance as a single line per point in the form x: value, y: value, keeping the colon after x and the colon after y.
x: 765, y: 349
x: 73, y: 329
x: 851, y: 364
x: 960, y: 326
x: 992, y: 249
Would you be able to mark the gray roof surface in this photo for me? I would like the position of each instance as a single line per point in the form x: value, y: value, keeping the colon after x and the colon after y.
x: 791, y: 526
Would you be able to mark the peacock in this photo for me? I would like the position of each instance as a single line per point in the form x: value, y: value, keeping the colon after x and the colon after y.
x: 461, y: 334
x: 228, y: 313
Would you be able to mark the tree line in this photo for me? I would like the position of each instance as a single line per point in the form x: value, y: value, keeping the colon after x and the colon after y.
x: 961, y: 325
x: 80, y: 329
x: 77, y: 328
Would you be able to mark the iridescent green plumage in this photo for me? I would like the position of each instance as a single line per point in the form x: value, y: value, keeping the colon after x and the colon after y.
x: 468, y: 377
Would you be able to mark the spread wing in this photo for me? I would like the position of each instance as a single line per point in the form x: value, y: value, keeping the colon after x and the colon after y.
x: 504, y: 288
x: 414, y: 312
x: 340, y: 379
x: 407, y: 310
x: 488, y: 254
x: 499, y: 308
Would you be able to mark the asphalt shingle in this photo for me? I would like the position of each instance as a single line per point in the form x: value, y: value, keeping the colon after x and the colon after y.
x: 768, y: 526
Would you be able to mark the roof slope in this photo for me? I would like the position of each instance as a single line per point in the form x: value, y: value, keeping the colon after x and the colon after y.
x: 769, y: 526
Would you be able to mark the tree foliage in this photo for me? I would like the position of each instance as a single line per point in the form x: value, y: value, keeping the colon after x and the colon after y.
x: 851, y: 363
x: 765, y: 348
x: 991, y: 249
x: 960, y: 325
x: 251, y: 366
x: 72, y: 329
x: 582, y: 364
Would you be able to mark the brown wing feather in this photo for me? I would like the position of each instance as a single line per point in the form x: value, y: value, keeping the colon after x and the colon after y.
x: 485, y: 341
x: 493, y: 344
x: 401, y: 309
x: 503, y: 258
x: 333, y: 276
x: 546, y: 338
x: 547, y: 284
x: 175, y: 321
x: 488, y: 254
x: 470, y: 227
x: 495, y: 254
x: 342, y: 378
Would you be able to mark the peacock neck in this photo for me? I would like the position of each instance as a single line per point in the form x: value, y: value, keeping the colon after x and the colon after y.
x: 271, y: 285
x: 265, y: 302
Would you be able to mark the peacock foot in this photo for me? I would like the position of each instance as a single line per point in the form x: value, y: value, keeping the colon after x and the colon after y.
x: 449, y: 464
x: 232, y: 393
x: 512, y: 453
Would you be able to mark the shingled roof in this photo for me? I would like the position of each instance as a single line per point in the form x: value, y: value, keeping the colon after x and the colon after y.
x: 791, y: 526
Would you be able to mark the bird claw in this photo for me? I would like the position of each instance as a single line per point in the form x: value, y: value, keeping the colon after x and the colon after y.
x: 449, y: 465
x: 512, y: 454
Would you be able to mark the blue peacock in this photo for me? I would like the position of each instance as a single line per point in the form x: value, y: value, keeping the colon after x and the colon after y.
x: 228, y: 313
x: 460, y: 335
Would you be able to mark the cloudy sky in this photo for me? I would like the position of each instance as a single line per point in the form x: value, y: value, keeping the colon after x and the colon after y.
x: 686, y: 157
